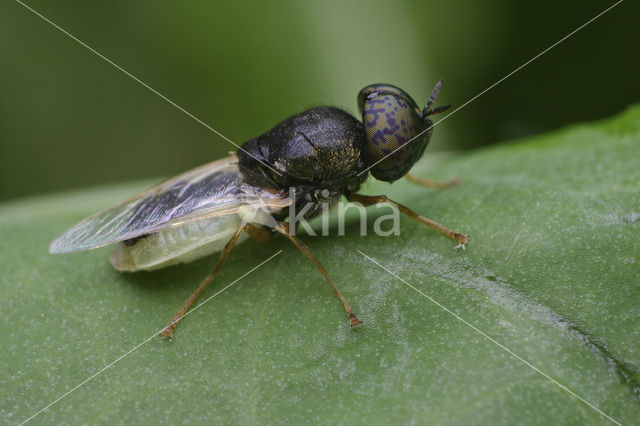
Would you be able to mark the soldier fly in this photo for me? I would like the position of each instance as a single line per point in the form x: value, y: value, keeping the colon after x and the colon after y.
x: 314, y: 157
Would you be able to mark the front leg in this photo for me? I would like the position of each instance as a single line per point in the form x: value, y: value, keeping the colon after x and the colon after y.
x: 431, y: 183
x: 369, y: 200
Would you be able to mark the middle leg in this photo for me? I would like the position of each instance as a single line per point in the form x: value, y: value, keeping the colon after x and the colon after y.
x: 283, y: 228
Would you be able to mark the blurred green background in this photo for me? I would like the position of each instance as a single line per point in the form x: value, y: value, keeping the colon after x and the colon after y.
x: 68, y: 119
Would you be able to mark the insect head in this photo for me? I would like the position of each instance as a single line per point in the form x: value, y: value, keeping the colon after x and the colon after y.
x: 397, y: 131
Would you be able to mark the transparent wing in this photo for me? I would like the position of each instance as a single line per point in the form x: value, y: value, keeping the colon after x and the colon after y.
x: 214, y: 189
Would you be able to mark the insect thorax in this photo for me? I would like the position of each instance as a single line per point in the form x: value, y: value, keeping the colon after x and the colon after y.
x: 319, y: 152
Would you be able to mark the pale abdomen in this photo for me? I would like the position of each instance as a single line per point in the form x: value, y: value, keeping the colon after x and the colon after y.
x: 180, y: 244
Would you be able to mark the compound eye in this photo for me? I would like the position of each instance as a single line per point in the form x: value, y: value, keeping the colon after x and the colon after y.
x: 392, y: 121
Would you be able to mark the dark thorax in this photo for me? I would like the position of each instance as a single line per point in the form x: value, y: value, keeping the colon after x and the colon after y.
x: 319, y: 153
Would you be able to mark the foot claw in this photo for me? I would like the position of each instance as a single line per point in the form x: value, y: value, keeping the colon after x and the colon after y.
x: 167, y: 334
x: 452, y: 182
x: 355, y: 322
x: 462, y: 240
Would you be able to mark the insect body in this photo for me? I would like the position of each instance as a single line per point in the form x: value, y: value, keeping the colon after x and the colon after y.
x: 307, y: 161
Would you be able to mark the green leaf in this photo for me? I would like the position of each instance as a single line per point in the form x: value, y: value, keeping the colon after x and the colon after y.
x: 552, y: 275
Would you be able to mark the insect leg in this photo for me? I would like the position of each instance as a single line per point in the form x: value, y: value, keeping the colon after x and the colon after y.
x: 258, y: 234
x: 167, y: 332
x: 369, y: 200
x: 432, y: 183
x: 283, y: 228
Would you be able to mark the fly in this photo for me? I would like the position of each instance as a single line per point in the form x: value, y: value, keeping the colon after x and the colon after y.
x: 314, y: 157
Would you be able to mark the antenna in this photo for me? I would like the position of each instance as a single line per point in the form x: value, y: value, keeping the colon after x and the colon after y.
x: 432, y: 98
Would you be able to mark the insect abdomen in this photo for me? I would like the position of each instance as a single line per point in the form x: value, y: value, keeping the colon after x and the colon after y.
x: 180, y: 244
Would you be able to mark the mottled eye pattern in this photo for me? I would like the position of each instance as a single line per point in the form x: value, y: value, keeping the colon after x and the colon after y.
x: 391, y: 119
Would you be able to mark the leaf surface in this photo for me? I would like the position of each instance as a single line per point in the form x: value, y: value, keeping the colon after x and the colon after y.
x: 552, y: 274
